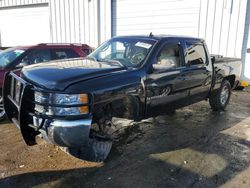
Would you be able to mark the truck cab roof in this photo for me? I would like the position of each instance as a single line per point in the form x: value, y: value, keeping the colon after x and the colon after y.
x: 162, y: 36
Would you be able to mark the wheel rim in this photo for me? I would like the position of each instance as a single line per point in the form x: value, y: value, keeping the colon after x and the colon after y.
x: 2, y: 112
x: 224, y: 95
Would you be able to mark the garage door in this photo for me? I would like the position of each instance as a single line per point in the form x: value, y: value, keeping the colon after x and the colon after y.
x: 179, y: 17
x: 24, y: 25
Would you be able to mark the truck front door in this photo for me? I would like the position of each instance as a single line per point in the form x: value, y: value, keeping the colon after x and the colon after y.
x: 165, y: 84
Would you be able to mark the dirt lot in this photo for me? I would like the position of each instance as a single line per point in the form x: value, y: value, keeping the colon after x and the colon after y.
x: 193, y: 148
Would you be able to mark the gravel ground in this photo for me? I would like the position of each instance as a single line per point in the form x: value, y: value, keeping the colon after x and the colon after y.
x: 195, y: 147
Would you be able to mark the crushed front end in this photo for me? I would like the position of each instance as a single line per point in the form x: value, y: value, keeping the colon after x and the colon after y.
x: 61, y: 118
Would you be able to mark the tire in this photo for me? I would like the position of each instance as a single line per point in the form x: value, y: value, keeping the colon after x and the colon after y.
x: 219, y: 100
x: 2, y: 112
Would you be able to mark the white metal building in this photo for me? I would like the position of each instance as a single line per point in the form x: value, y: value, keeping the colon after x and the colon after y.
x: 25, y: 22
x: 224, y: 24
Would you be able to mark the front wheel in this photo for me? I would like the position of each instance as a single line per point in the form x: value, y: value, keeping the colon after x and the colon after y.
x: 219, y: 100
x: 2, y: 112
x: 99, y: 145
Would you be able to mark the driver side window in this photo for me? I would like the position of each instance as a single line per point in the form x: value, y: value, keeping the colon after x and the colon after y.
x: 169, y: 57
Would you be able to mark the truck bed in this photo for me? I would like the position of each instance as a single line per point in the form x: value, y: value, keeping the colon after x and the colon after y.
x: 231, y: 66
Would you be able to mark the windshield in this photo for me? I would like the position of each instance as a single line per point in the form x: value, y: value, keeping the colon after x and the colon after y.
x: 8, y: 56
x: 123, y: 51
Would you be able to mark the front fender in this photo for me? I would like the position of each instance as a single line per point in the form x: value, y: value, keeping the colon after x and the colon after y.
x: 125, y: 87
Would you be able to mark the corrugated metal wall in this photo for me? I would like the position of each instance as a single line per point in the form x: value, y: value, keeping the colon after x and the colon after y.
x: 79, y: 21
x: 9, y: 3
x: 219, y: 22
x: 74, y: 21
x: 222, y: 25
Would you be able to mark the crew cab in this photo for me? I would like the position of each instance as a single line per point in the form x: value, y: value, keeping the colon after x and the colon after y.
x: 71, y: 103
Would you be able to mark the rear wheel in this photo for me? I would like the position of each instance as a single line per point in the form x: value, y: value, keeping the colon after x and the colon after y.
x: 220, y: 99
x: 2, y: 112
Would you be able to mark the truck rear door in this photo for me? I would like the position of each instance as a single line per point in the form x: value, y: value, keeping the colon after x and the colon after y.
x: 198, y: 73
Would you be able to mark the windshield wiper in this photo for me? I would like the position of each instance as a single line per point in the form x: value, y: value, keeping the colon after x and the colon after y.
x: 111, y: 61
x: 106, y: 61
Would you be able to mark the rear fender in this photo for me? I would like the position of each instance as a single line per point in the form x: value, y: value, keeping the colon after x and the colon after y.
x: 231, y: 80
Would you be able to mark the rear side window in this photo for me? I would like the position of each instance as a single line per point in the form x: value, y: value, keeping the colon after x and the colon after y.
x: 196, y: 54
x: 36, y: 56
x: 64, y: 53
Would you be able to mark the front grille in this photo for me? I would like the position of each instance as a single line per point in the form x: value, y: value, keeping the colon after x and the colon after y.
x: 17, y: 95
x: 16, y: 89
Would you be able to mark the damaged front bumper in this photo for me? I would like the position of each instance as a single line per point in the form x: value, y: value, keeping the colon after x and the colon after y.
x: 72, y: 133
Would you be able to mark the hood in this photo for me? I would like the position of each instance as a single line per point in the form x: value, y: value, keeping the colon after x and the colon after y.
x: 57, y: 75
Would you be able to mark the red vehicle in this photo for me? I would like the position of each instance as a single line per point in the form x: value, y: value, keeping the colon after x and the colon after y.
x: 18, y: 57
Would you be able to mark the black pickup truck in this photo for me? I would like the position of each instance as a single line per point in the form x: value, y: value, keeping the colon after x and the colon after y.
x: 71, y: 103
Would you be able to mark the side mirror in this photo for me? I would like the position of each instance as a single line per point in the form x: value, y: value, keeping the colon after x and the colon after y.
x: 248, y: 50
